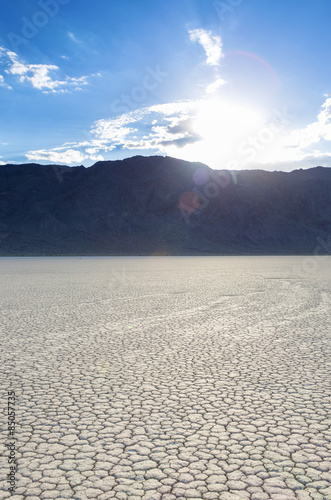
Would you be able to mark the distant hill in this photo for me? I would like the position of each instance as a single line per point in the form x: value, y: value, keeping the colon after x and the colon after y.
x: 157, y: 205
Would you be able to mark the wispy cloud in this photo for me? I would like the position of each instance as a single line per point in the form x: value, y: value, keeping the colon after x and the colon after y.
x: 307, y: 145
x: 67, y: 156
x: 316, y: 131
x: 3, y: 83
x: 72, y: 37
x: 73, y: 152
x: 305, y: 161
x: 83, y: 43
x: 313, y: 133
x: 40, y: 76
x: 7, y: 162
x: 212, y: 45
x: 212, y: 87
x: 205, y: 129
x: 172, y: 129
x: 150, y: 128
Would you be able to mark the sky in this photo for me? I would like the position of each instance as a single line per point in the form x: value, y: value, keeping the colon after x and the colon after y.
x: 234, y: 84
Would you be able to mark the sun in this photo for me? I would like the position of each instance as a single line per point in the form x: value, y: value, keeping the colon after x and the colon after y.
x: 224, y: 122
x: 222, y: 126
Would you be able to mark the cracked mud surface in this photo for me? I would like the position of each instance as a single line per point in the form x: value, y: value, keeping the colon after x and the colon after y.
x: 168, y: 378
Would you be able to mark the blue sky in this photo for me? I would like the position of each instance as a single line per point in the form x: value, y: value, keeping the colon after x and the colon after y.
x: 231, y: 83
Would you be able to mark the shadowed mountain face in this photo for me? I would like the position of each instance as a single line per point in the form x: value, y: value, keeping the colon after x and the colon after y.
x: 156, y: 205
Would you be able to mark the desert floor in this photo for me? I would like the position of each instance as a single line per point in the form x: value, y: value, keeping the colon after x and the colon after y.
x: 163, y: 378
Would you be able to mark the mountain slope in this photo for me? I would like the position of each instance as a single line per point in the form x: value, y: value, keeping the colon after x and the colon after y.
x: 157, y: 205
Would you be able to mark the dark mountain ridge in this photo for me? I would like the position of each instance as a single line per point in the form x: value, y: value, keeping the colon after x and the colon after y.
x: 160, y: 205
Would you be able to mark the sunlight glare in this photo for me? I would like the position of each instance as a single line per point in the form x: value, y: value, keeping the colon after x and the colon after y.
x: 220, y: 122
x: 222, y: 128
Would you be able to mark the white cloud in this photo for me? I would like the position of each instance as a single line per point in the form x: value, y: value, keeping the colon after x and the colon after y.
x: 316, y: 131
x: 73, y: 152
x: 140, y: 130
x: 3, y: 83
x: 173, y: 108
x: 116, y: 129
x: 215, y: 85
x: 134, y: 130
x: 92, y: 151
x: 173, y: 129
x: 325, y: 115
x: 97, y: 158
x: 306, y: 146
x: 72, y: 36
x: 212, y: 45
x: 82, y: 43
x: 40, y: 76
x: 296, y: 143
x: 68, y: 156
x: 75, y: 39
x: 308, y: 161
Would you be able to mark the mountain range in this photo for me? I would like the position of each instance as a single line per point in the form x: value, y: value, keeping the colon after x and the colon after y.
x: 162, y: 206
